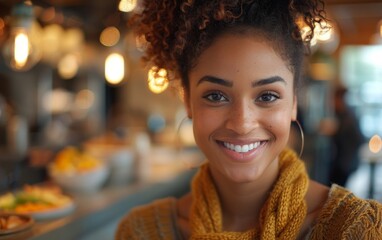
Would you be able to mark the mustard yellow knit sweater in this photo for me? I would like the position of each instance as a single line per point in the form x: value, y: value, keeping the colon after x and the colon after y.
x: 344, y: 216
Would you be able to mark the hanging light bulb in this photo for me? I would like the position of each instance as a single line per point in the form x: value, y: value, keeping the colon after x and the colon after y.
x: 157, y: 80
x: 114, y: 68
x: 127, y: 5
x: 20, y: 50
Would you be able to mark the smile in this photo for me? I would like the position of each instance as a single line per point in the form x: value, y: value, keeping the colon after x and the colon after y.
x: 242, y: 148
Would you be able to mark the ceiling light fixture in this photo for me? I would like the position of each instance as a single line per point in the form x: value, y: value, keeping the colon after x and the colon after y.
x: 20, y: 51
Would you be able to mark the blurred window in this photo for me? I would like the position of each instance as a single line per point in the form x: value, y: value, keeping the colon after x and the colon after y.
x: 361, y: 72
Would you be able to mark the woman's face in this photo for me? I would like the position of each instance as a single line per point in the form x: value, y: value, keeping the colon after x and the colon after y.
x: 241, y: 101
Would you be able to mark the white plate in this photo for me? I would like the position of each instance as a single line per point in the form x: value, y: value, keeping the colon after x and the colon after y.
x: 56, y: 212
x: 52, y: 213
x: 28, y: 223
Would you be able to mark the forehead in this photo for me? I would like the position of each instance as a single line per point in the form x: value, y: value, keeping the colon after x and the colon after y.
x: 233, y: 54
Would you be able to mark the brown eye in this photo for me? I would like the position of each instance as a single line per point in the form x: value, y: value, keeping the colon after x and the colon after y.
x: 268, y: 97
x: 216, y: 97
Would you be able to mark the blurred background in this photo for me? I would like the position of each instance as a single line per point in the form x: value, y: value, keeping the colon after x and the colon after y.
x: 70, y: 75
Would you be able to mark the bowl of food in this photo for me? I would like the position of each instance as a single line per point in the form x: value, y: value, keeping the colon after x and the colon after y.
x: 117, y: 153
x: 78, y: 171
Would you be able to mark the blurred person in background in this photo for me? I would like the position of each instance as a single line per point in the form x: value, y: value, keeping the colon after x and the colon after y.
x: 240, y: 64
x: 346, y: 140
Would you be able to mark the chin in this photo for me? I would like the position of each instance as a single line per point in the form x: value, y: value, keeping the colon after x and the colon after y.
x: 243, y: 175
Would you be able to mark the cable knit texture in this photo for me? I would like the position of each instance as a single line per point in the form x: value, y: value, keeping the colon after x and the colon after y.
x: 281, y: 216
x: 154, y: 221
x: 343, y: 217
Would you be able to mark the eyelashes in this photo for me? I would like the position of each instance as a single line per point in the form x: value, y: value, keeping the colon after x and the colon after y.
x: 268, y: 97
x: 216, y: 97
x: 219, y: 97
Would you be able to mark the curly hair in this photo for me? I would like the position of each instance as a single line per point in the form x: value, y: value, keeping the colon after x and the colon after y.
x: 177, y: 31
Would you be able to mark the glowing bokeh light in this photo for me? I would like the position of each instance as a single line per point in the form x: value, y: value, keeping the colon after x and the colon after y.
x: 114, y: 68
x: 375, y: 144
x: 109, y: 36
x: 127, y: 5
x: 68, y: 66
x: 157, y: 80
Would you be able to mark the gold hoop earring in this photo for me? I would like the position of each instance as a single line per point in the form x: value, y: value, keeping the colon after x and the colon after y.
x: 185, y: 145
x: 301, y: 135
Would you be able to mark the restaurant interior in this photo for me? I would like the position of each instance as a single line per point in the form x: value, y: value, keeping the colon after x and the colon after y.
x: 85, y: 123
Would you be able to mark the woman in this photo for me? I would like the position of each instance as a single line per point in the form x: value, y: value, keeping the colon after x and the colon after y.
x: 240, y: 63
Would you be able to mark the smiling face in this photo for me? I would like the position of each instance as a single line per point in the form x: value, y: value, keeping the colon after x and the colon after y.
x: 241, y: 101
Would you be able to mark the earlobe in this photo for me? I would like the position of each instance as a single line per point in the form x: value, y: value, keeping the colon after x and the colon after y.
x: 187, y: 105
x: 294, y: 109
x: 188, y: 109
x: 189, y: 115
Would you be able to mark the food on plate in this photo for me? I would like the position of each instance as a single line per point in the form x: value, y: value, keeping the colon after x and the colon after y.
x: 34, y: 199
x: 72, y: 160
x: 8, y: 222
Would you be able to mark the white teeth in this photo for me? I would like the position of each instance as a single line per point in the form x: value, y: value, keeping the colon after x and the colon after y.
x: 245, y: 148
x: 237, y: 148
x: 241, y: 148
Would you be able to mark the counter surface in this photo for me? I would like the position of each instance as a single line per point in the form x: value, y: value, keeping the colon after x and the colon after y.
x: 96, y: 210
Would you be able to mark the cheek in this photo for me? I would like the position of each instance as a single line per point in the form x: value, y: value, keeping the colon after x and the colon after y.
x: 202, y: 122
x: 278, y: 123
x: 205, y: 122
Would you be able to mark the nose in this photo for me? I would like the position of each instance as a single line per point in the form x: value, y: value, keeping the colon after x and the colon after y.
x: 242, y: 118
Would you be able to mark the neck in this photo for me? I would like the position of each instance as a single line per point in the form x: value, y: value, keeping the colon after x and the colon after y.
x: 241, y: 203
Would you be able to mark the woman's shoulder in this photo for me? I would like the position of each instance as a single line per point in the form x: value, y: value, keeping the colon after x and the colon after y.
x: 344, y: 214
x: 344, y: 202
x: 149, y: 221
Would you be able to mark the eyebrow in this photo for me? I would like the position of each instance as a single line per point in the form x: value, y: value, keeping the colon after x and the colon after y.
x: 255, y: 83
x: 270, y: 80
x: 215, y: 80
